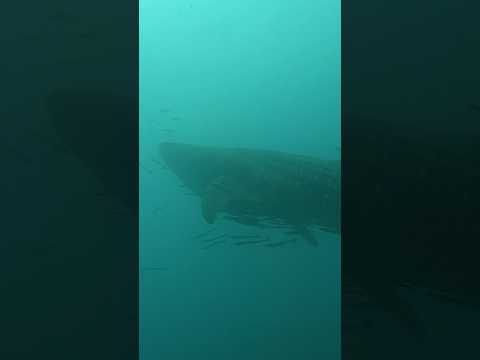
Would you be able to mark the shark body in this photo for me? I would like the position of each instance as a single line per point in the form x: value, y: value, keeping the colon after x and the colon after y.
x: 384, y: 248
x: 256, y: 186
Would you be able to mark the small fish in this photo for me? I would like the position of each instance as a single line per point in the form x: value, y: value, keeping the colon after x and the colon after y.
x: 215, y: 238
x: 157, y: 210
x: 146, y: 169
x: 279, y: 243
x: 203, y: 234
x: 326, y: 229
x: 163, y: 111
x: 159, y: 163
x: 249, y: 242
x: 212, y: 244
x: 155, y: 268
x: 244, y: 236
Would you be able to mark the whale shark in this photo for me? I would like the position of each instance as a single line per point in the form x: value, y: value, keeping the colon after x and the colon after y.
x: 256, y: 187
x: 408, y: 235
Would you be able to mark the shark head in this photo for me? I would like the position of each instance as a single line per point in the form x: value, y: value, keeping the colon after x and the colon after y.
x: 176, y: 156
x: 195, y: 166
x: 95, y: 126
x: 182, y: 159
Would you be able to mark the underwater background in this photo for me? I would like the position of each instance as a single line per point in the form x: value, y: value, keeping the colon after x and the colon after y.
x: 262, y: 75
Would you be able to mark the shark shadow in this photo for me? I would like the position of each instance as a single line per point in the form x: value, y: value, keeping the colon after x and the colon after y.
x: 100, y: 129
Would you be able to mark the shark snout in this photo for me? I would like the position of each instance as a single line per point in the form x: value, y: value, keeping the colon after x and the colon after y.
x: 167, y: 150
x: 165, y: 147
x: 177, y: 153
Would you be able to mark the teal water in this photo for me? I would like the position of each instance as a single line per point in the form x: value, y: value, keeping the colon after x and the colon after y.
x: 257, y: 74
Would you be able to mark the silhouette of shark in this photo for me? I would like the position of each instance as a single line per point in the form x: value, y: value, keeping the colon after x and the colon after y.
x: 420, y: 200
x: 259, y: 186
x: 417, y: 233
x: 101, y: 129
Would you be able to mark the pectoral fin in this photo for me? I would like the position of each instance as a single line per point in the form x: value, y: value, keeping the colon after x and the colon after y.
x: 307, y: 234
x: 215, y: 199
x: 401, y: 309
